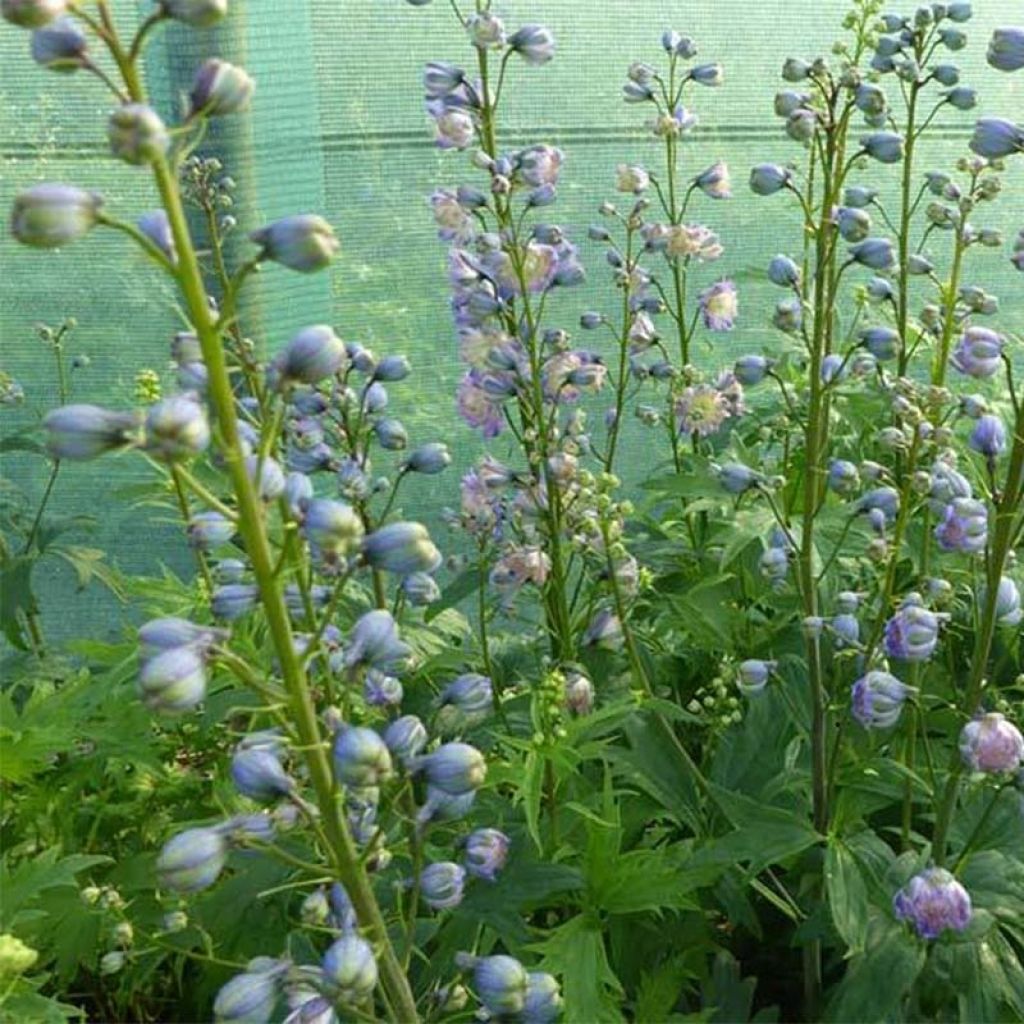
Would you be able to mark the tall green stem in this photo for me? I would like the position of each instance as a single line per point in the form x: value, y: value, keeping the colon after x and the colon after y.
x: 343, y: 851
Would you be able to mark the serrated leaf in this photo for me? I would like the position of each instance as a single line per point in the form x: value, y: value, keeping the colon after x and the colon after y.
x: 575, y: 952
x: 531, y: 788
x: 644, y: 880
x: 22, y: 883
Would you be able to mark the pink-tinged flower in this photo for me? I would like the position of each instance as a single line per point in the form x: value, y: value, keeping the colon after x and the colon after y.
x: 631, y: 178
x: 521, y: 565
x: 932, y: 902
x: 692, y: 241
x: 539, y: 263
x: 992, y: 744
x: 480, y: 511
x: 540, y: 165
x: 701, y: 410
x: 476, y: 406
x: 642, y: 333
x: 715, y: 181
x: 719, y: 305
x: 477, y: 343
x: 453, y: 128
x: 732, y: 390
x: 454, y: 224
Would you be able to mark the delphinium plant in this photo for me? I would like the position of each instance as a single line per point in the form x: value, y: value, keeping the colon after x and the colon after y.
x: 293, y: 631
x: 889, y: 619
x: 655, y: 253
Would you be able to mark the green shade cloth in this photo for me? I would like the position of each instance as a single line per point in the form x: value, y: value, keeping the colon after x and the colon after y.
x: 338, y: 128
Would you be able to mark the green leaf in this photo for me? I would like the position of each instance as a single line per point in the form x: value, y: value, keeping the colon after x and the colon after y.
x: 764, y: 834
x: 659, y: 990
x: 22, y: 884
x: 878, y: 980
x: 575, y: 952
x: 847, y: 896
x: 89, y: 565
x: 16, y: 597
x: 530, y: 789
x: 458, y: 590
x: 644, y: 880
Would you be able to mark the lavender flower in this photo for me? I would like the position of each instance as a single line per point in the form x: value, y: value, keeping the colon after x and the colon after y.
x: 964, y: 526
x: 932, y: 902
x: 534, y: 43
x: 718, y: 305
x: 877, y: 699
x: 486, y: 852
x: 992, y: 744
x: 913, y: 632
x: 442, y: 884
x: 988, y: 437
x: 715, y: 182
x: 701, y: 410
x: 995, y: 138
x: 979, y: 352
x: 374, y: 642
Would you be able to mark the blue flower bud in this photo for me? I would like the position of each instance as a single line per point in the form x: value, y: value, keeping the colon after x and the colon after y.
x: 875, y: 253
x: 995, y: 138
x: 846, y: 630
x: 1009, y: 611
x: 988, y: 436
x: 316, y: 1009
x: 795, y: 70
x: 374, y: 642
x: 233, y: 600
x: 429, y: 458
x: 267, y: 476
x: 441, y: 78
x: 258, y: 774
x: 167, y: 633
x: 486, y: 852
x: 220, y: 88
x: 304, y: 242
x: 604, y: 631
x: 137, y: 135
x: 802, y: 124
x: 442, y: 885
x: 784, y: 272
x: 464, y: 702
x: 754, y: 676
x: 843, y: 477
x: 350, y: 970
x: 912, y: 634
x: 932, y: 902
x: 60, y: 46
x: 737, y: 478
x: 173, y: 680
x: 859, y: 196
x: 392, y: 368
x: 32, y: 13
x: 884, y: 499
x: 209, y: 530
x: 248, y: 997
x: 442, y: 806
x: 766, y: 179
x: 788, y: 101
x: 877, y: 699
x: 543, y: 999
x: 870, y: 98
x: 534, y: 43
x: 401, y: 548
x: 405, y: 737
x: 192, y: 860
x: 501, y: 982
x: 311, y: 355
x: 49, y: 216
x: 962, y: 97
x: 197, y: 13
x: 420, y: 589
x: 882, y: 342
x: 375, y: 398
x: 750, y: 370
x: 361, y: 758
x: 992, y: 744
x: 979, y: 352
x: 343, y: 913
x: 959, y: 11
x: 391, y: 435
x: 332, y: 528
x: 454, y: 768
x: 177, y: 428
x: 964, y: 526
x: 80, y: 432
x: 1006, y: 49
x: 953, y: 38
x: 854, y: 223
x: 157, y: 228
x: 946, y: 74
x: 885, y: 147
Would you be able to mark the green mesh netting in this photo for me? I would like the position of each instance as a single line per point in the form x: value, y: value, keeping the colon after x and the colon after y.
x: 338, y: 128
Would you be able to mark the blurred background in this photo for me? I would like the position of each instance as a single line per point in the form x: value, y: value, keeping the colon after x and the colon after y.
x: 338, y: 128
